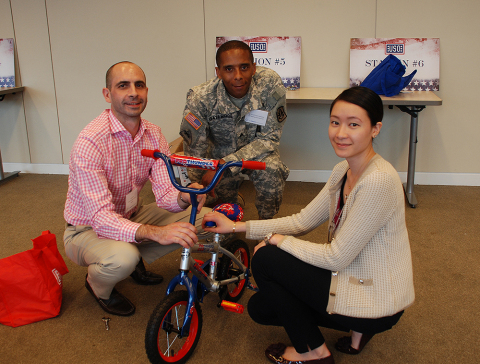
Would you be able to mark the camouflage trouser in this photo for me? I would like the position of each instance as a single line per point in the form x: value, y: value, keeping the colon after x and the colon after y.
x: 269, y: 185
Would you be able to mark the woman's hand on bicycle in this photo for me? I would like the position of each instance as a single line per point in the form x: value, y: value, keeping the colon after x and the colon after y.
x: 224, y: 224
x: 184, y: 198
x: 182, y: 233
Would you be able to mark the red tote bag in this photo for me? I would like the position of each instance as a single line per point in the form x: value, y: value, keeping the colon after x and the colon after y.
x: 31, y: 283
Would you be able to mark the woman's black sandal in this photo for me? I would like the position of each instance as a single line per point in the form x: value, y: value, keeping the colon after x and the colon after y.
x: 344, y: 344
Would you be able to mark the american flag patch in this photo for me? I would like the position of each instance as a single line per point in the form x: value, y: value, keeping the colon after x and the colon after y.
x: 193, y: 121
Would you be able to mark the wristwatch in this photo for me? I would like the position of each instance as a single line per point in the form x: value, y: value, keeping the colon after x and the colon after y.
x: 267, y: 238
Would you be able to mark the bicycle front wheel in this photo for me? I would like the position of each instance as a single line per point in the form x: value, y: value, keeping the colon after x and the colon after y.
x: 163, y: 341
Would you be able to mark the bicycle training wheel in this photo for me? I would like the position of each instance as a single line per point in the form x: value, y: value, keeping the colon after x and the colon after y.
x: 228, y: 269
x: 162, y: 338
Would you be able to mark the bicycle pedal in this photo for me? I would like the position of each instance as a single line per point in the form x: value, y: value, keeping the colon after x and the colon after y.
x: 231, y: 306
x: 252, y: 287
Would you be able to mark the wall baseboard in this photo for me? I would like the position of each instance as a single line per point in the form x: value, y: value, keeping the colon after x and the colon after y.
x: 36, y: 168
x: 421, y: 178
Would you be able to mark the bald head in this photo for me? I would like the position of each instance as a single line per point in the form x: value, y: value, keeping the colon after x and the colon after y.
x: 109, y: 75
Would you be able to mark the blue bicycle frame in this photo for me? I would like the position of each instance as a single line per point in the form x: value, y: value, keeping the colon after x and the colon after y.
x: 182, y: 278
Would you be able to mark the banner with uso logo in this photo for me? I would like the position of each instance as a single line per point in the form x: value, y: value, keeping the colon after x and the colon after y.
x: 421, y: 54
x: 282, y: 54
x: 7, y: 63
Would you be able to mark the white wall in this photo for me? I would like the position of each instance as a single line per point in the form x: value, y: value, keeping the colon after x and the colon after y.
x: 448, y: 135
x: 64, y: 49
x: 165, y: 38
x: 35, y: 69
x: 13, y: 132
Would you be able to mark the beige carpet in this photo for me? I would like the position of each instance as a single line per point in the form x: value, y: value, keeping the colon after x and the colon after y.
x: 441, y: 327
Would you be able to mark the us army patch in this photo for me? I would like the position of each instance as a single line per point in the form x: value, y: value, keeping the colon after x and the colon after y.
x: 281, y: 114
x: 193, y: 120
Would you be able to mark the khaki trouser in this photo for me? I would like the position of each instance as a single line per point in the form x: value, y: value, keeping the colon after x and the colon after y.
x: 110, y: 261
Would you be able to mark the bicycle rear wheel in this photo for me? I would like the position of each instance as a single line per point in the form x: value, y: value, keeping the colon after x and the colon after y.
x: 228, y: 269
x: 163, y: 342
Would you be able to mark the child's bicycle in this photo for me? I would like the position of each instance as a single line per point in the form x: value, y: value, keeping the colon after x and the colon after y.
x: 175, y: 325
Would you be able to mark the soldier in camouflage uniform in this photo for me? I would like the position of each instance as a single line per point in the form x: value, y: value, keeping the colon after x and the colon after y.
x: 214, y: 126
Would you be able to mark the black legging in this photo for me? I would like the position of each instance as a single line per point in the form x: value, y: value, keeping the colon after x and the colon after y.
x: 294, y: 294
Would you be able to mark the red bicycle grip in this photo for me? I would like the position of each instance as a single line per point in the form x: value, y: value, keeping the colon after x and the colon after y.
x: 253, y: 165
x: 149, y: 153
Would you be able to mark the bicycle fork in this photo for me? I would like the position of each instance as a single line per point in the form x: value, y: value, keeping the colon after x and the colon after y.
x: 187, y: 263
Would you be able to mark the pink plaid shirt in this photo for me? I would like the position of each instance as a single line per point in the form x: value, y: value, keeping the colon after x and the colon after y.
x: 105, y: 165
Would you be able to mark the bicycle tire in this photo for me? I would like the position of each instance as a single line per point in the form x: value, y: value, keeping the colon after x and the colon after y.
x: 227, y: 269
x: 162, y: 343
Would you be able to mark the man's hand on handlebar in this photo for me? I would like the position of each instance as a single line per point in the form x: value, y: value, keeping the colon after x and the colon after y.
x: 185, y: 197
x: 182, y: 233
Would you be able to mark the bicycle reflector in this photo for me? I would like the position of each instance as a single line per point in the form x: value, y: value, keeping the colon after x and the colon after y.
x: 231, y: 306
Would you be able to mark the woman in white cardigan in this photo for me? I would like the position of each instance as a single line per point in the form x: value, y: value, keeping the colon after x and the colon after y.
x: 360, y: 280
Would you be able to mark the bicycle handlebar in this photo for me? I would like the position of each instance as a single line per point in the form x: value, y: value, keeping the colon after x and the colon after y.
x: 198, y: 163
x: 150, y: 153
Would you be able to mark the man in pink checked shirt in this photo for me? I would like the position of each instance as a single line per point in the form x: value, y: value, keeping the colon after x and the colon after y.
x: 108, y: 229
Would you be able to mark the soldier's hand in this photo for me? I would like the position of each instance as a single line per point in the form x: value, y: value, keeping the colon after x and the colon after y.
x: 207, y: 179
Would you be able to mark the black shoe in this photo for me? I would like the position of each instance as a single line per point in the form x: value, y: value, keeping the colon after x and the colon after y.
x: 117, y: 304
x: 344, y: 344
x: 274, y: 354
x: 141, y: 276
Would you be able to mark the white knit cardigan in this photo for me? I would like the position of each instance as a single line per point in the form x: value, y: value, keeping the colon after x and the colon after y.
x: 370, y: 256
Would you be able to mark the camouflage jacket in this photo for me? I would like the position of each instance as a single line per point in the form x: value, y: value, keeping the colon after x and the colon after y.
x: 213, y: 127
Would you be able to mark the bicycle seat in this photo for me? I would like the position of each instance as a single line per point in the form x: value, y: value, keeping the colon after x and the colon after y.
x: 231, y: 210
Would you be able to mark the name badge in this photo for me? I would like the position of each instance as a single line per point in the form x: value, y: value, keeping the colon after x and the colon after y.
x: 131, y: 200
x: 258, y: 117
